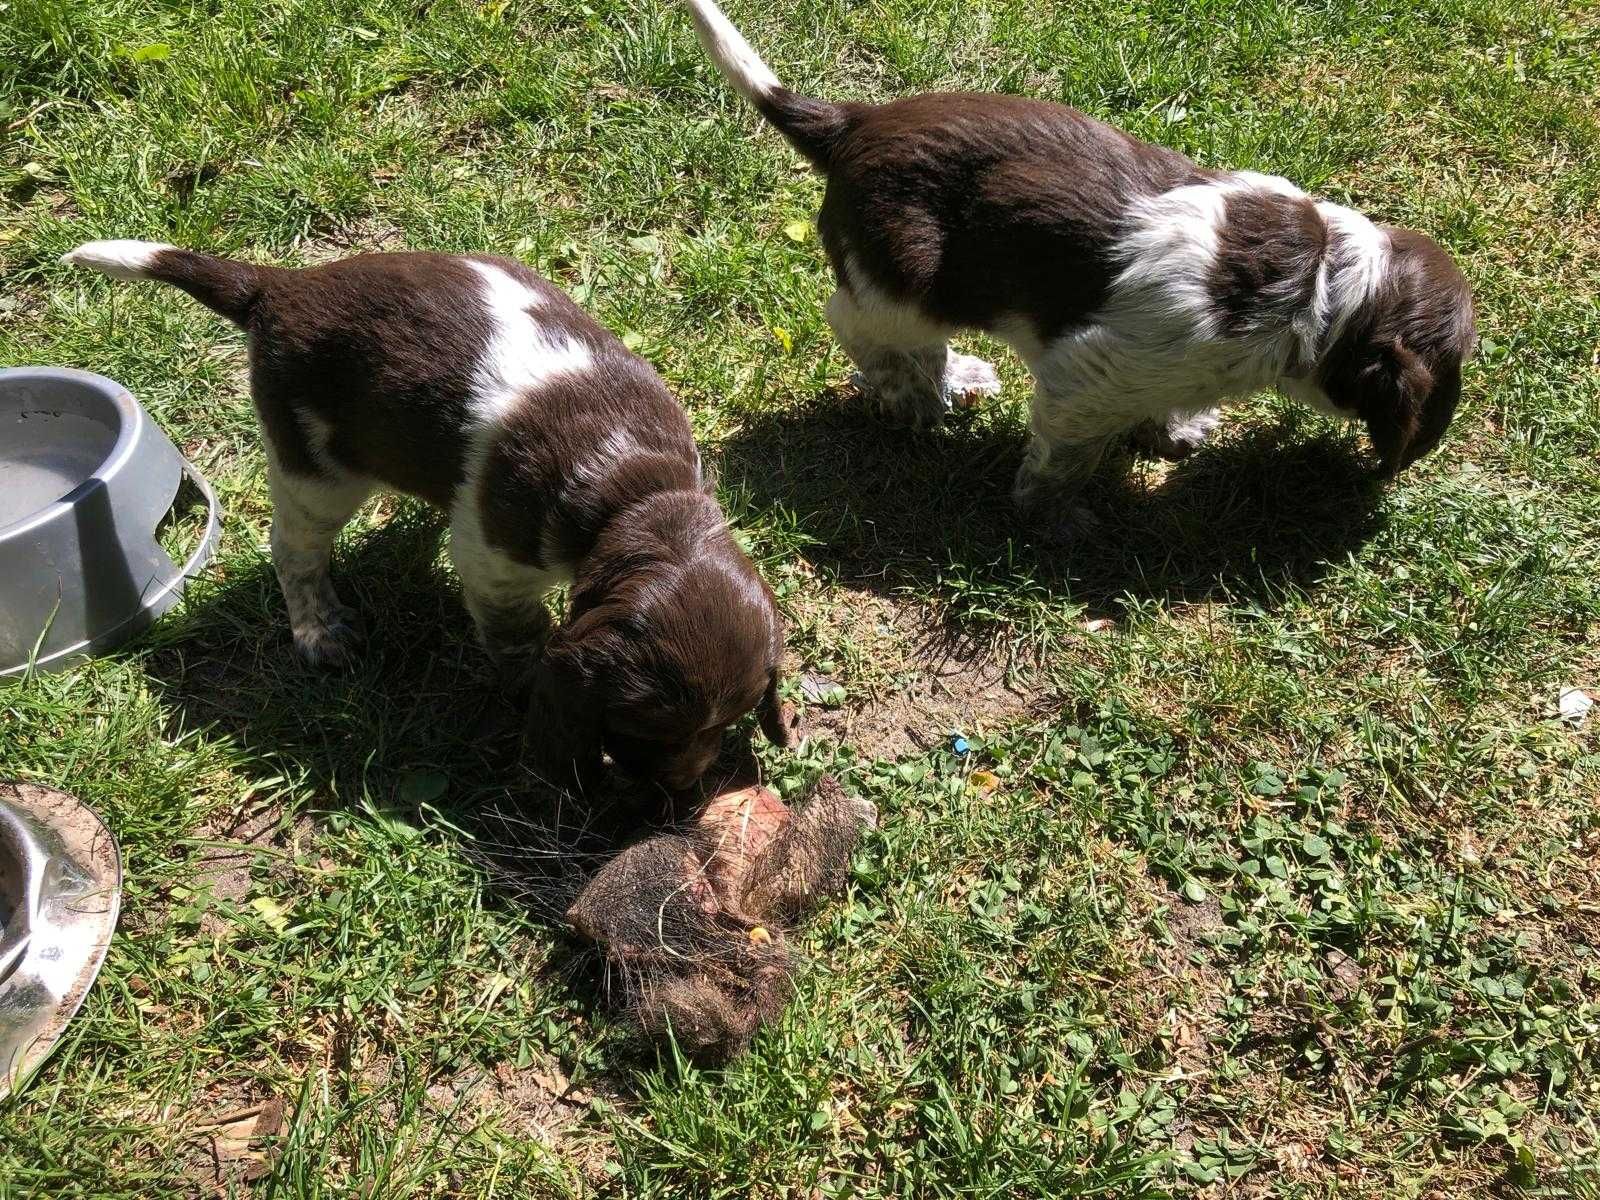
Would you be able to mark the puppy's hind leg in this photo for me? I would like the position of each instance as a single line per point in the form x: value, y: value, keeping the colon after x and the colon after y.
x: 906, y: 368
x: 1178, y: 436
x: 308, y: 511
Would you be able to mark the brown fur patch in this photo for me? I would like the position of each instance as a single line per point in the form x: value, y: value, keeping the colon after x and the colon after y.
x: 693, y: 922
x: 976, y: 207
x: 1268, y: 250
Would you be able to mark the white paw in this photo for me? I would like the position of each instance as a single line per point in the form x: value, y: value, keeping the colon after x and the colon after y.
x: 1190, y: 432
x: 969, y: 377
x: 912, y: 404
x: 329, y: 641
x: 1201, y: 424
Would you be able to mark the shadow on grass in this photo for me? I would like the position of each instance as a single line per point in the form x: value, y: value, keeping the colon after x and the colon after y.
x: 420, y: 728
x: 931, y: 512
x: 421, y: 723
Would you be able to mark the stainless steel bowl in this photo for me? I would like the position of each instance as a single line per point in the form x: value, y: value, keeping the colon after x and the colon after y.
x: 60, y: 892
x: 85, y: 479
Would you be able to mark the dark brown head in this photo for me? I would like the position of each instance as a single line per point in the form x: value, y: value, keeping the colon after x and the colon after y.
x: 673, y: 637
x: 1397, y: 362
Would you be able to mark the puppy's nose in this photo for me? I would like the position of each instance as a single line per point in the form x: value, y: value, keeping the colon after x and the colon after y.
x: 681, y: 779
x: 683, y: 775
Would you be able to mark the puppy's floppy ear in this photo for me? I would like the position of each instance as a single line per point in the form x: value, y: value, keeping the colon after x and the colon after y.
x: 565, y: 729
x: 779, y: 720
x: 1394, y: 386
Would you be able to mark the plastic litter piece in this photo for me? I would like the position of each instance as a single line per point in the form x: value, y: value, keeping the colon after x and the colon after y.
x: 1575, y: 704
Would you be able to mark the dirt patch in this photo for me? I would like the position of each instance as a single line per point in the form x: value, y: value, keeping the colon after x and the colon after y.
x: 1185, y: 970
x: 367, y: 235
x: 537, y: 1103
x: 540, y: 1103
x: 925, y: 708
x: 230, y: 1135
x: 22, y: 305
x: 908, y: 683
x: 244, y: 1143
x: 234, y: 846
x: 1174, y: 994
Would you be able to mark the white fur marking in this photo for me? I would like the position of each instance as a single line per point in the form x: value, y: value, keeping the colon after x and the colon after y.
x: 617, y: 445
x: 307, y: 515
x: 1157, y: 347
x: 1352, y: 269
x: 967, y: 375
x: 731, y: 53
x: 523, y: 355
x: 1169, y: 253
x: 120, y: 258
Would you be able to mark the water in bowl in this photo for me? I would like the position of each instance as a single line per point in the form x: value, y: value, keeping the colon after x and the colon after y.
x: 44, y: 455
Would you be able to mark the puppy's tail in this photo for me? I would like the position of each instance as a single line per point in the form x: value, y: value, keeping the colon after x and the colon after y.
x: 225, y: 286
x: 815, y: 127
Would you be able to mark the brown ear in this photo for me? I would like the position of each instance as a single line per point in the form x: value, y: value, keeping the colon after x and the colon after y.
x: 1396, y: 385
x: 779, y: 721
x: 564, y: 733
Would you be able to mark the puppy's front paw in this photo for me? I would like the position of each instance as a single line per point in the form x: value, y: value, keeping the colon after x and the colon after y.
x: 969, y: 379
x: 1178, y: 437
x: 514, y: 668
x: 560, y: 763
x: 907, y: 401
x: 563, y: 772
x: 330, y: 641
x: 1062, y: 526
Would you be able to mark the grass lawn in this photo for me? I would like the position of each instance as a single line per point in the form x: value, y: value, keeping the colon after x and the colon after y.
x: 1270, y: 870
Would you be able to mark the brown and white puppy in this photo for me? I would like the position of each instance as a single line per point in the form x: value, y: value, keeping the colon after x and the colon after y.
x: 561, y: 458
x: 1140, y: 288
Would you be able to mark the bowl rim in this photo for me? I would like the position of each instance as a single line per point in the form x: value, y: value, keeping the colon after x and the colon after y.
x: 131, y: 419
x: 50, y: 825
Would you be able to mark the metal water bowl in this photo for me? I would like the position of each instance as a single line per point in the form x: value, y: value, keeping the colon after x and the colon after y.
x: 86, y: 478
x: 60, y: 892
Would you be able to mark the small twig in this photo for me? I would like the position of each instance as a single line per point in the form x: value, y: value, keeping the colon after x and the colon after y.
x: 13, y: 126
x: 1328, y: 1040
x: 1416, y: 1043
x: 229, y: 1118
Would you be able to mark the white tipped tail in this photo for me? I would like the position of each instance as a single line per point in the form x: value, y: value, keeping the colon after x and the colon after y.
x: 731, y: 53
x: 814, y: 127
x: 120, y: 258
x: 223, y: 285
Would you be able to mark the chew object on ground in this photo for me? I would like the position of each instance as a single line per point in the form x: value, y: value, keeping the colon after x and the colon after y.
x: 736, y: 827
x: 693, y: 921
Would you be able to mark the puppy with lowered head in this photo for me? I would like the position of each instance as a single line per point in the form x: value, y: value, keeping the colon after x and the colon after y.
x: 1140, y: 288
x: 560, y: 456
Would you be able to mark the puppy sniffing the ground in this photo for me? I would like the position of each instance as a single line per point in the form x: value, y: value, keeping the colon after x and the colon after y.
x: 559, y: 455
x: 1140, y: 288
